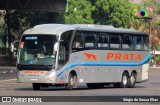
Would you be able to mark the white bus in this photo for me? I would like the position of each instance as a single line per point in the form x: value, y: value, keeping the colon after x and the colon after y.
x: 66, y: 55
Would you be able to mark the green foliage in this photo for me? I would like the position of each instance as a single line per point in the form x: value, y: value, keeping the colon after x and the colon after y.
x: 2, y: 34
x: 79, y: 12
x: 118, y: 13
x: 156, y: 47
x: 155, y: 57
x: 21, y: 20
x: 158, y: 13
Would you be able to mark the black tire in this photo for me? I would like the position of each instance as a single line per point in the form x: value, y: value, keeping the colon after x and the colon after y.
x: 72, y: 81
x: 36, y: 86
x: 124, y: 80
x: 132, y: 81
x: 95, y: 85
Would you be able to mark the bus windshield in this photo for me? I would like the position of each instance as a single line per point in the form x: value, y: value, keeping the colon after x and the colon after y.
x: 37, y: 50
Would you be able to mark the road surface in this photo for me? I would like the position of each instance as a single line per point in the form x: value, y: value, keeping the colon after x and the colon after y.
x: 10, y: 87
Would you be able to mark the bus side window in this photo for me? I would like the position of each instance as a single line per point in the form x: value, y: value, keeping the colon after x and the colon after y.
x: 138, y: 43
x: 103, y: 41
x: 127, y: 42
x: 115, y: 42
x: 63, y: 56
x: 77, y: 43
x: 90, y: 42
x: 146, y: 43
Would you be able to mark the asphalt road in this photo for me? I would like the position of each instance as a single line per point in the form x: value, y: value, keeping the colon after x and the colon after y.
x: 10, y: 87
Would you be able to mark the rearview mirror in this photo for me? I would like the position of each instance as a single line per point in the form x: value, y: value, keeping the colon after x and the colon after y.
x: 61, y: 41
x: 55, y: 48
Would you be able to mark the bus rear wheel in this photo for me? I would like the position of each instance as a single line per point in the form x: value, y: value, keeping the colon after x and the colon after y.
x: 36, y: 86
x: 124, y: 81
x: 132, y: 81
x: 72, y: 81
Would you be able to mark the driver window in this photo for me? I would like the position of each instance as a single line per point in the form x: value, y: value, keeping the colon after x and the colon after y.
x: 63, y: 55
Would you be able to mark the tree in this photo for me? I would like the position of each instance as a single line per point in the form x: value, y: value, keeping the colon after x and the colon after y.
x: 2, y: 36
x: 118, y: 13
x: 79, y: 12
x: 21, y: 20
x: 153, y: 7
x: 2, y: 30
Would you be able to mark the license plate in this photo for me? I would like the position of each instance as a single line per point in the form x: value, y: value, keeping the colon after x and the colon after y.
x: 33, y: 79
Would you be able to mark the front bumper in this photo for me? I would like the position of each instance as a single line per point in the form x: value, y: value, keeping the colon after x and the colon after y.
x: 36, y: 76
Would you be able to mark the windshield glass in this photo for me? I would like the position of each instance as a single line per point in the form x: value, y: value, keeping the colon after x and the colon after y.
x: 37, y: 50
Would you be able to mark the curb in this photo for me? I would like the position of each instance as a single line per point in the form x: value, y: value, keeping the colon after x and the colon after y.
x: 155, y: 67
x: 6, y: 80
x: 7, y: 68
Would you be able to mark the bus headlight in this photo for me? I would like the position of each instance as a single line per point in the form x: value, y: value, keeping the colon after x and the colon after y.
x: 20, y: 73
x: 51, y: 74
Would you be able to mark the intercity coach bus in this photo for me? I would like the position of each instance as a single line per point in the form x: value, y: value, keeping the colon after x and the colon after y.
x: 66, y: 55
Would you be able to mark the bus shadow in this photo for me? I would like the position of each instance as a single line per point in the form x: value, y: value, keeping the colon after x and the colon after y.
x: 80, y: 88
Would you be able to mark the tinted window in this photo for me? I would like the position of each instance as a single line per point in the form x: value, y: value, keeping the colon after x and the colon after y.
x: 146, y: 43
x: 103, y: 41
x: 90, y: 41
x: 39, y: 48
x: 77, y: 43
x: 66, y: 37
x: 64, y: 47
x: 126, y: 42
x: 114, y: 42
x: 138, y: 43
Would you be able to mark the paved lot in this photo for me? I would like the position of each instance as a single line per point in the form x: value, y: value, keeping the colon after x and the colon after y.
x: 10, y: 87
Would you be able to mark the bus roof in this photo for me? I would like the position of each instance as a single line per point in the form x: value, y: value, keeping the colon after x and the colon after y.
x: 58, y: 29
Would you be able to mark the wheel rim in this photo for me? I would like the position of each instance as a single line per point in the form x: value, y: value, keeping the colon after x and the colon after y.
x: 71, y: 81
x: 132, y: 79
x: 124, y: 80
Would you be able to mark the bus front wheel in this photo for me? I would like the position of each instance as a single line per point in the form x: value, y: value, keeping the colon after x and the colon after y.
x: 36, y: 86
x: 72, y: 81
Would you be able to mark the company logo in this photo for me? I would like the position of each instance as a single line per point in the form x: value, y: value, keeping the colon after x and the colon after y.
x: 21, y: 99
x: 115, y: 56
x: 124, y: 57
x: 90, y: 56
x: 6, y: 99
x: 142, y: 13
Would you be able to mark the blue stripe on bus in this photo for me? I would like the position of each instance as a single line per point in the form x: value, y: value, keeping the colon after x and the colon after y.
x: 103, y: 64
